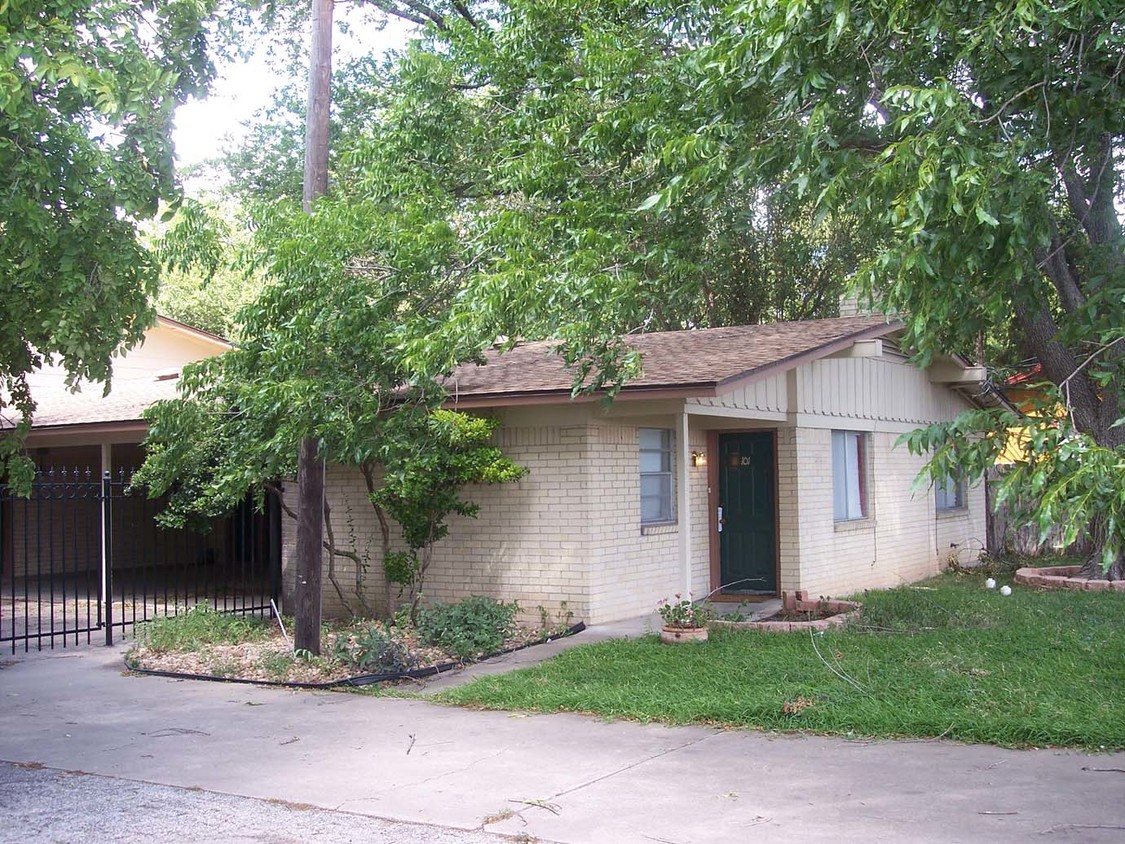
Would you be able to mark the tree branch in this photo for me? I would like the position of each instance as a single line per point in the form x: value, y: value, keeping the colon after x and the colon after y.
x: 464, y: 12
x: 420, y: 17
x: 1054, y: 263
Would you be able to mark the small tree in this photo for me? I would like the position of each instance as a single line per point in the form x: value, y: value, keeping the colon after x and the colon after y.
x: 320, y: 357
x: 423, y: 486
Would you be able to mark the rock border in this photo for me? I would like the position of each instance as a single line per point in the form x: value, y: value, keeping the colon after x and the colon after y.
x: 845, y: 611
x: 1063, y: 577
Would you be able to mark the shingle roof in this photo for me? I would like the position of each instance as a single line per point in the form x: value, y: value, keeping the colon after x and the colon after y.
x: 693, y: 362
x: 697, y: 362
x: 57, y: 406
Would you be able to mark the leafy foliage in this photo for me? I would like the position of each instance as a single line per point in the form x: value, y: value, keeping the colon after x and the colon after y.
x: 87, y: 92
x: 423, y: 483
x: 472, y: 627
x: 206, y: 273
x: 1063, y: 477
x: 534, y: 133
x: 685, y: 613
x: 372, y: 650
x: 979, y: 145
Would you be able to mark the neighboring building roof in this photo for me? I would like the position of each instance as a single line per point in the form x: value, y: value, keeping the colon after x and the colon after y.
x: 176, y: 325
x: 700, y: 362
x: 141, y: 376
x: 56, y: 405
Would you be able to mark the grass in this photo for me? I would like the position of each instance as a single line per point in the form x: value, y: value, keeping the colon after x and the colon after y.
x: 198, y: 627
x: 943, y: 658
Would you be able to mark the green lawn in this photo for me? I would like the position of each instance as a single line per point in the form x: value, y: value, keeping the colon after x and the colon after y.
x: 944, y: 658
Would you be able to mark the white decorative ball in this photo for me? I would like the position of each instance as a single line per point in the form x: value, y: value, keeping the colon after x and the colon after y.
x: 990, y: 584
x: 1005, y: 591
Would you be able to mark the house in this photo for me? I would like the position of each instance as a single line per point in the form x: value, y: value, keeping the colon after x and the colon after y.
x: 742, y: 462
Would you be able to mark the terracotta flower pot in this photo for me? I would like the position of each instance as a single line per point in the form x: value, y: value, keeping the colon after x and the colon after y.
x: 675, y: 635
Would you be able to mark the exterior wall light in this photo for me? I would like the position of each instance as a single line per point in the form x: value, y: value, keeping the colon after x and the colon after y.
x: 699, y: 458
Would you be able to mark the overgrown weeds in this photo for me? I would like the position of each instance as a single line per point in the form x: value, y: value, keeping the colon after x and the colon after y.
x: 198, y: 627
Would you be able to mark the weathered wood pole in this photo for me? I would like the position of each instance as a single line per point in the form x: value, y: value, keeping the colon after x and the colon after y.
x: 310, y: 464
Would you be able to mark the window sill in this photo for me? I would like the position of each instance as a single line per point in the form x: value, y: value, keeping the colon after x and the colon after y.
x: 855, y: 525
x: 952, y: 513
x: 654, y: 528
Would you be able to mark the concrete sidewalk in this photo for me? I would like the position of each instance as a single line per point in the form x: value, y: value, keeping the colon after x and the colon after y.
x: 561, y: 778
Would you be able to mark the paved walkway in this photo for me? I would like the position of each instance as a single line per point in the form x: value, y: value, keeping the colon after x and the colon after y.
x: 564, y: 778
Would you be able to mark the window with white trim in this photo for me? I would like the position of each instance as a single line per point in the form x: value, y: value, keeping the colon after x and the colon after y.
x: 949, y: 494
x: 657, y: 485
x: 849, y: 475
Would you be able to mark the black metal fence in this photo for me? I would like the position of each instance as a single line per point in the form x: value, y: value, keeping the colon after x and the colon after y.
x: 83, y: 558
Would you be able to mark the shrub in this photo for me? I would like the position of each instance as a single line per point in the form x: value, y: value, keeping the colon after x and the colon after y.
x: 474, y: 626
x: 372, y: 650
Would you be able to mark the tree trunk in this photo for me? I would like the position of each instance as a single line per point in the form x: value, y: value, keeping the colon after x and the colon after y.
x: 1092, y: 569
x: 310, y: 527
x: 320, y: 97
x: 1093, y: 408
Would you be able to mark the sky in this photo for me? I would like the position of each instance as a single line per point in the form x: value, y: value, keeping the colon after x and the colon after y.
x: 204, y: 127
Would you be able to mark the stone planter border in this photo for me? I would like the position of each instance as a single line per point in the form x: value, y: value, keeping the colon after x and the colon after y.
x: 1064, y: 577
x: 799, y: 602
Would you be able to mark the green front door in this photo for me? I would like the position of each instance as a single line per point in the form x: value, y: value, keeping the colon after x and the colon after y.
x: 747, y: 513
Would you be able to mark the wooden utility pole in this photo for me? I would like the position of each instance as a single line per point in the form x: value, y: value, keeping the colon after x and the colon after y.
x: 310, y: 463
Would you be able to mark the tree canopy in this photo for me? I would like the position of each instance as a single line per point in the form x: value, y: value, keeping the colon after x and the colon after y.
x: 87, y: 94
x: 613, y: 166
x: 982, y: 146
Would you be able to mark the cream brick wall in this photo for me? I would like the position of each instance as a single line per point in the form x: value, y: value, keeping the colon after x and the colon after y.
x: 530, y: 541
x: 894, y: 545
x: 567, y: 537
x: 790, y: 505
x: 700, y: 514
x: 355, y: 528
x: 527, y: 543
x: 962, y: 533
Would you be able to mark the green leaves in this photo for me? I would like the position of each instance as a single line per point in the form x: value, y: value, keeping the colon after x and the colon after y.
x: 1044, y: 472
x: 86, y: 98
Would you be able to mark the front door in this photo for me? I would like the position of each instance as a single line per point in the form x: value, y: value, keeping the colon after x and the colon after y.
x: 747, y: 513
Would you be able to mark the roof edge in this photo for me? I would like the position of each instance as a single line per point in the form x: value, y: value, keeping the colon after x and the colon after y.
x: 176, y: 325
x: 794, y: 361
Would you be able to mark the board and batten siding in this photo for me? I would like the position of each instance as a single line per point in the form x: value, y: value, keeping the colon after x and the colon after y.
x: 874, y: 389
x: 770, y: 395
x: 902, y: 539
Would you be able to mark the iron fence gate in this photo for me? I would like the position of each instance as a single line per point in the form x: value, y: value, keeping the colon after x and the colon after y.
x: 82, y: 557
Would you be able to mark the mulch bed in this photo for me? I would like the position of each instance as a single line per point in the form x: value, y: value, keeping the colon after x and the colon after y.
x: 270, y: 660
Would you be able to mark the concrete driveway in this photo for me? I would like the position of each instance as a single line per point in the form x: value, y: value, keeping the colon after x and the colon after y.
x: 562, y: 778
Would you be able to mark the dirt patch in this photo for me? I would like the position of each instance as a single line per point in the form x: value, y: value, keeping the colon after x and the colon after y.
x: 798, y: 613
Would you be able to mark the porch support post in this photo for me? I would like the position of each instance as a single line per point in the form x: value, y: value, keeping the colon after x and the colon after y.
x: 683, y: 496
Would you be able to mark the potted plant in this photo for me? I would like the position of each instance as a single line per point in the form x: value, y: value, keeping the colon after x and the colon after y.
x: 684, y: 620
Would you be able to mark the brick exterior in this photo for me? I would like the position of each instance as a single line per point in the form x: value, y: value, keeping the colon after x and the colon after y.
x: 568, y: 538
